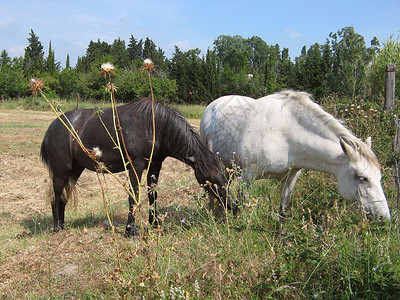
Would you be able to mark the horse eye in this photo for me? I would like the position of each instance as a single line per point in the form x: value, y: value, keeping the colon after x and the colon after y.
x: 362, y: 179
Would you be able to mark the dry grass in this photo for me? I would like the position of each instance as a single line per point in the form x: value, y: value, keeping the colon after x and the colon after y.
x: 327, y: 252
x: 32, y: 260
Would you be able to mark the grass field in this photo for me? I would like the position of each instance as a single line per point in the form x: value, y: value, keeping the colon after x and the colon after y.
x: 329, y: 251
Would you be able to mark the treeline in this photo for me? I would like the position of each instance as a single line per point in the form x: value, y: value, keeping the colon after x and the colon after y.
x: 343, y: 65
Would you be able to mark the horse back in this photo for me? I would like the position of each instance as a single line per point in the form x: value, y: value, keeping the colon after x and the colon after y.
x: 248, y: 131
x: 57, y: 144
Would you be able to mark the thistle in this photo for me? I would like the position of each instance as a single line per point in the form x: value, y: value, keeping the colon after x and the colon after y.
x: 107, y: 69
x: 110, y: 87
x: 36, y: 85
x: 148, y: 65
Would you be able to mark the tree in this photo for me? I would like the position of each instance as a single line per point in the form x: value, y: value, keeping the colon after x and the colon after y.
x: 211, y: 76
x: 150, y: 50
x: 67, y: 63
x: 349, y: 62
x: 68, y: 83
x: 4, y: 59
x: 388, y: 54
x: 259, y: 53
x: 51, y: 66
x: 178, y: 71
x: 33, y: 59
x: 135, y: 48
x: 310, y: 70
x: 326, y: 67
x: 234, y: 53
x: 12, y: 80
x: 119, y: 53
x: 286, y: 71
x: 95, y: 52
x: 271, y: 69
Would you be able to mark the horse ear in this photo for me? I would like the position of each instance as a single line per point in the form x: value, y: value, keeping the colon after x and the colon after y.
x: 189, y: 160
x: 347, y: 146
x: 368, y: 141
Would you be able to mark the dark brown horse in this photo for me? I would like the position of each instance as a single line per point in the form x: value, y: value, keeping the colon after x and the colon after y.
x: 174, y: 137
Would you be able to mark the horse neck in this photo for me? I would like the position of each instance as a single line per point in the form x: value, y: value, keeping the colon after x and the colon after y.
x: 204, y: 164
x: 316, y: 134
x: 321, y: 154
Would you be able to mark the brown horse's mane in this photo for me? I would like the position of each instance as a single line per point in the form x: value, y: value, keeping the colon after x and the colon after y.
x: 176, y: 133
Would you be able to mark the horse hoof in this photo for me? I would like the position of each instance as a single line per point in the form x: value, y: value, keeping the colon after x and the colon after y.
x: 236, y: 210
x: 131, y: 231
x: 57, y: 229
x: 155, y: 223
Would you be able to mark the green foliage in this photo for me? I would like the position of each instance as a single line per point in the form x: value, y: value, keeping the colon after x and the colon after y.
x: 119, y: 53
x: 33, y: 59
x: 190, y: 111
x: 133, y: 84
x: 350, y: 58
x: 135, y: 48
x: 234, y: 52
x: 388, y: 54
x: 50, y: 64
x: 12, y: 78
x: 326, y: 249
x: 344, y: 65
x: 312, y: 69
x: 271, y: 70
x: 68, y: 80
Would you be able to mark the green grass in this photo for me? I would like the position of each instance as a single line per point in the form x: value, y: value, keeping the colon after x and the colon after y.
x: 328, y: 251
x: 189, y: 111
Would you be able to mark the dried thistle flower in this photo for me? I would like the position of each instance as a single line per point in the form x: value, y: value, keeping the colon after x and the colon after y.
x: 148, y: 64
x: 110, y: 87
x: 107, y: 69
x: 97, y: 111
x: 36, y: 85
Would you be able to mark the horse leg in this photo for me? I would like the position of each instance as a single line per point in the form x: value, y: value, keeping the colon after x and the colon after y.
x: 69, y: 190
x: 63, y: 184
x: 287, y: 189
x: 58, y: 205
x: 135, y: 173
x: 152, y: 180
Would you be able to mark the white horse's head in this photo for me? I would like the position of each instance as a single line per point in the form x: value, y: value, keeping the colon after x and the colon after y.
x: 360, y: 178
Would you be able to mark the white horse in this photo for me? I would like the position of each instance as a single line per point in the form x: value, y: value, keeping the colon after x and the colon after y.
x: 278, y: 135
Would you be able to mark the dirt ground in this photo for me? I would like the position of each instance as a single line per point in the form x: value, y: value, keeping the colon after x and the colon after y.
x: 24, y: 206
x: 24, y: 178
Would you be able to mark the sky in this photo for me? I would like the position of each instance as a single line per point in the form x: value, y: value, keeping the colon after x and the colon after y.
x: 189, y: 24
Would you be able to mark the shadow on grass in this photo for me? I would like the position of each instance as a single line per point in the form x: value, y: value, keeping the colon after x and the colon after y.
x: 44, y: 224
x: 172, y: 216
x: 184, y: 216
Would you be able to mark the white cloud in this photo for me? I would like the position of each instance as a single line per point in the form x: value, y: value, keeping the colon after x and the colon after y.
x: 16, y: 51
x: 183, y: 45
x: 293, y: 33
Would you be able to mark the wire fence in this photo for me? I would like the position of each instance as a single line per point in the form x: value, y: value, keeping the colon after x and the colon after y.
x: 397, y: 150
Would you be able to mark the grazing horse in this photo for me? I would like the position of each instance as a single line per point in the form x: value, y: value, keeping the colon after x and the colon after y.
x: 278, y: 135
x: 174, y: 137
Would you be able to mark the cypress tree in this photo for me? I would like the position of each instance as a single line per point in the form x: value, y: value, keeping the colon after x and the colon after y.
x: 33, y: 59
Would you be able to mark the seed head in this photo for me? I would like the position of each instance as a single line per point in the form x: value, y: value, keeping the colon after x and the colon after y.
x: 148, y: 64
x: 110, y: 87
x: 107, y: 69
x: 36, y: 85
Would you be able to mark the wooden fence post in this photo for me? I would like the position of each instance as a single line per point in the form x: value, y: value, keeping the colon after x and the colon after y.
x: 390, y: 76
x: 77, y: 101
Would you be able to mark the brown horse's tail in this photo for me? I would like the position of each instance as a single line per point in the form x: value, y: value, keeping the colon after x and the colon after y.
x: 69, y: 191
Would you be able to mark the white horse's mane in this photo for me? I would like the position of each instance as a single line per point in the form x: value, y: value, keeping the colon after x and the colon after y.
x: 305, y: 100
